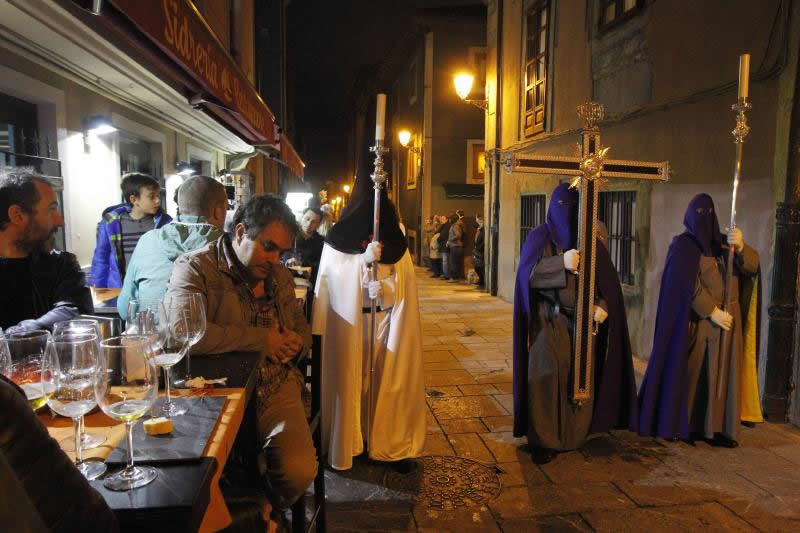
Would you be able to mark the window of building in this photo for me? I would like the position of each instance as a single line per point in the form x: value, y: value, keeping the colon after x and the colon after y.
x: 614, y: 11
x: 617, y: 210
x: 532, y: 213
x: 537, y: 25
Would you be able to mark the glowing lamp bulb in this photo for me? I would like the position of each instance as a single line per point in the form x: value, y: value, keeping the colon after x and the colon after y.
x: 404, y: 136
x: 463, y: 83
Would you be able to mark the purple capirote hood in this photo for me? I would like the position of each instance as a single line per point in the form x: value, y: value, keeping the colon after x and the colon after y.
x: 701, y: 221
x: 562, y: 216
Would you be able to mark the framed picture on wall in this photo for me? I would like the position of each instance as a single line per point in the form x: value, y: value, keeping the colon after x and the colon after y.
x: 412, y: 169
x: 476, y: 161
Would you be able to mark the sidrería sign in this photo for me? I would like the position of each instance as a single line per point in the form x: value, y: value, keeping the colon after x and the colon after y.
x: 178, y: 29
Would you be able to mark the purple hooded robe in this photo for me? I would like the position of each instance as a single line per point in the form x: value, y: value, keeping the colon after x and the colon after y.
x: 614, y: 403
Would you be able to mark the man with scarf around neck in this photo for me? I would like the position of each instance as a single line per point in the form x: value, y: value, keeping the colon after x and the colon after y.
x: 341, y: 314
x: 544, y: 322
x: 694, y: 385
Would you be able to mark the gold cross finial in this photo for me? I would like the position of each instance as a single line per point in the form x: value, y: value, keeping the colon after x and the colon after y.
x: 591, y: 113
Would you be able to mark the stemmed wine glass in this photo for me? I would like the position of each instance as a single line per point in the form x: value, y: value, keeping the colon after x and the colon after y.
x: 193, y: 309
x: 154, y: 320
x: 5, y: 356
x: 27, y: 351
x: 85, y: 326
x: 71, y: 370
x: 126, y: 391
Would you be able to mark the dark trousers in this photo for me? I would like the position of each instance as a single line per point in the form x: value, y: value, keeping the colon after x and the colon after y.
x: 436, y: 266
x: 456, y: 262
x: 479, y: 273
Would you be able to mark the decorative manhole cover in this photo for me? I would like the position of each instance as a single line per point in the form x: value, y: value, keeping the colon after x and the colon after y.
x: 454, y: 482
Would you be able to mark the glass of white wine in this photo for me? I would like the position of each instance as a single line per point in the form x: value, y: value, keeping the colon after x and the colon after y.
x: 27, y: 351
x: 92, y: 327
x: 71, y: 371
x: 126, y: 391
x: 192, y: 308
x: 153, y: 320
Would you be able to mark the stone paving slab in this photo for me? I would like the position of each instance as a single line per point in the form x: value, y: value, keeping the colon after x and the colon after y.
x: 705, y: 517
x: 466, y: 407
x: 568, y: 523
x: 464, y: 425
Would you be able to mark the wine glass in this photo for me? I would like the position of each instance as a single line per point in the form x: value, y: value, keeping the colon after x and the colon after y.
x: 194, y: 313
x: 27, y: 351
x: 126, y: 391
x: 85, y: 326
x: 154, y: 320
x: 5, y: 356
x: 70, y: 370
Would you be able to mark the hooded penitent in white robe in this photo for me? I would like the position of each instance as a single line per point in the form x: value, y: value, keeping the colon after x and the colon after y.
x: 341, y: 298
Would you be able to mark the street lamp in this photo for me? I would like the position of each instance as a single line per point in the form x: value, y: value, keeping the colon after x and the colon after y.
x: 346, y: 189
x: 404, y: 136
x: 463, y: 82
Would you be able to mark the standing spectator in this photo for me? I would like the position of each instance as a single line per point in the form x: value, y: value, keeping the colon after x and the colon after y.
x: 327, y: 220
x: 121, y: 227
x: 428, y: 228
x: 251, y: 306
x: 433, y: 244
x: 455, y: 245
x: 202, y: 206
x: 478, y: 252
x: 444, y: 233
x: 40, y: 286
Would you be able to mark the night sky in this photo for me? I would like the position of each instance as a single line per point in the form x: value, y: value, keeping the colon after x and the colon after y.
x: 330, y: 42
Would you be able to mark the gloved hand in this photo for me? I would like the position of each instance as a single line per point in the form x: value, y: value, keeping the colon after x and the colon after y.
x: 572, y: 260
x: 721, y: 318
x: 736, y: 239
x: 375, y: 289
x: 600, y: 314
x: 373, y: 252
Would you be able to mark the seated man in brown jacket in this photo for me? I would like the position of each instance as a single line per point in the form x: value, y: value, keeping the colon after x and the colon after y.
x: 251, y: 306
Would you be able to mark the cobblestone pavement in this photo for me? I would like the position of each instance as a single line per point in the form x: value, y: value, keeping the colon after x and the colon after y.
x: 617, y: 482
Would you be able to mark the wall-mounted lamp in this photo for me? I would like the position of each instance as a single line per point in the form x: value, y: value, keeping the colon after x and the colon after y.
x: 98, y: 125
x: 463, y: 82
x: 404, y: 136
x: 346, y: 188
x: 182, y: 168
x: 93, y: 126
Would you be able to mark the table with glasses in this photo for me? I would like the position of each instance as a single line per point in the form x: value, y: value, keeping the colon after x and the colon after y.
x: 186, y: 494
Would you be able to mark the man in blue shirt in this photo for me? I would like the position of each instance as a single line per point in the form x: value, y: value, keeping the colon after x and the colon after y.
x: 202, y: 204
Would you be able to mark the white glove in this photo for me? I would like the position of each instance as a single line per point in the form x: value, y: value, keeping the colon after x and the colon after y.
x: 736, y: 239
x: 375, y: 289
x: 572, y: 259
x: 722, y: 318
x: 600, y: 314
x: 373, y: 252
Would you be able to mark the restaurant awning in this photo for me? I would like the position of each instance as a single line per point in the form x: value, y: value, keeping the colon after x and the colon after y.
x: 173, y: 39
x: 291, y: 158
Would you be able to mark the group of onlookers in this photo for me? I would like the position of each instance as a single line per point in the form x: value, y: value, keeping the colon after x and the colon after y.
x: 445, y: 239
x: 249, y: 295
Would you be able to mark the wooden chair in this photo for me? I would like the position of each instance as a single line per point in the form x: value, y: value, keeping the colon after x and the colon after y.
x: 312, y: 373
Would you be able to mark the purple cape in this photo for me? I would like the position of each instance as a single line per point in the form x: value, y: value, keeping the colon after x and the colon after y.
x: 664, y: 394
x: 615, y: 387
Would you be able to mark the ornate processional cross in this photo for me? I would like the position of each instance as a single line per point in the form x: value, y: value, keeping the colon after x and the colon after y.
x: 591, y: 169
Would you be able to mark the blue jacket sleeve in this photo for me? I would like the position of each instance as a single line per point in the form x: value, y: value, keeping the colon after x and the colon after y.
x: 100, y: 261
x: 130, y: 288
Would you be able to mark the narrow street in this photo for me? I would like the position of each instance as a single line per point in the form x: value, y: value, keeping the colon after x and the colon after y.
x: 618, y: 482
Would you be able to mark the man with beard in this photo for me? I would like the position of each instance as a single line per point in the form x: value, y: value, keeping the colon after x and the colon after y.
x: 544, y: 323
x: 701, y: 381
x: 40, y: 286
x: 251, y: 306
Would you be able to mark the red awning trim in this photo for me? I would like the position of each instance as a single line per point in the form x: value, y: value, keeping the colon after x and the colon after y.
x: 180, y: 31
x: 291, y: 158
